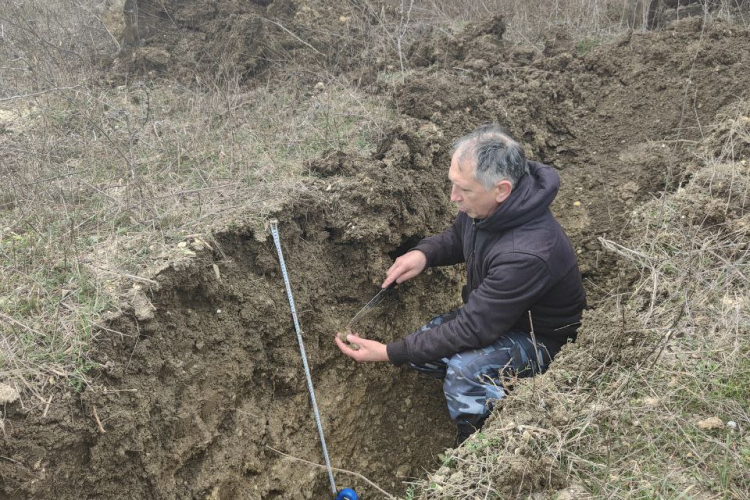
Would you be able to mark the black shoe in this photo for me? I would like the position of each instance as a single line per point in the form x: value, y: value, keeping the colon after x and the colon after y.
x: 466, y: 429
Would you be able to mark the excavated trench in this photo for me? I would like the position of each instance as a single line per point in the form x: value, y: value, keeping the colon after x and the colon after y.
x: 200, y: 390
x: 203, y: 384
x: 220, y: 380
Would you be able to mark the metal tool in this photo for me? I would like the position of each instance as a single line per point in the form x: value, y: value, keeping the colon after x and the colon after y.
x: 377, y: 299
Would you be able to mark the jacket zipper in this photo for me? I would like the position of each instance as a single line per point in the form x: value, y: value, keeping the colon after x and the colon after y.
x: 470, y: 262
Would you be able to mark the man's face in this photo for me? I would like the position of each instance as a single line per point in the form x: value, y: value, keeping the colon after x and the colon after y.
x: 469, y: 194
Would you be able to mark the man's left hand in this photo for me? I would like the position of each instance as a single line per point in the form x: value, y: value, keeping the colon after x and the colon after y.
x: 369, y: 350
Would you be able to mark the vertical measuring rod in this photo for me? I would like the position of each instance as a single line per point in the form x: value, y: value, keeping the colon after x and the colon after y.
x: 277, y: 241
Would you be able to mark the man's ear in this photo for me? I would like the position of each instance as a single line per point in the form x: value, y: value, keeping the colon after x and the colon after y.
x: 503, y: 190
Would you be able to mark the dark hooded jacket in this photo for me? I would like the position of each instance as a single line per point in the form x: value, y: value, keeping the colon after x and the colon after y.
x: 518, y: 259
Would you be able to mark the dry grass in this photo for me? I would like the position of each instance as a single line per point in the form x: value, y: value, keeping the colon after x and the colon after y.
x: 652, y: 400
x: 98, y: 180
x: 531, y: 23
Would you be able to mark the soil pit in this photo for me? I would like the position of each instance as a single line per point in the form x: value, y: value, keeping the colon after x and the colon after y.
x: 203, y: 377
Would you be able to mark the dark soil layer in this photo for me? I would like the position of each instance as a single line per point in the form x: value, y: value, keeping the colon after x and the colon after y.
x: 192, y: 398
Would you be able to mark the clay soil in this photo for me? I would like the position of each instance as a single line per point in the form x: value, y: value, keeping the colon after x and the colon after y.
x: 195, y: 392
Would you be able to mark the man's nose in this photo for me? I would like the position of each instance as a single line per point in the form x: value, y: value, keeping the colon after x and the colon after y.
x: 454, y: 195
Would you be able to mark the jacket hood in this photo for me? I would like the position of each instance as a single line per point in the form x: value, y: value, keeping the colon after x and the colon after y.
x: 528, y: 200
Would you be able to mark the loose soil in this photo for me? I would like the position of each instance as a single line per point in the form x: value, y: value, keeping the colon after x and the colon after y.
x: 195, y: 391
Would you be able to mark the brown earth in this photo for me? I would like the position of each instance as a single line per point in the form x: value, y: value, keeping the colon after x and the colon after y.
x: 227, y: 39
x: 191, y: 400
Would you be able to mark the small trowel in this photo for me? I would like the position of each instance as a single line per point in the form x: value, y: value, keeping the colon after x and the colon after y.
x: 372, y: 304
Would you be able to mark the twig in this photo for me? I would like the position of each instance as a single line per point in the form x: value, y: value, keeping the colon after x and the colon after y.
x: 46, y: 407
x: 190, y: 191
x: 54, y: 177
x: 628, y: 253
x: 536, y: 354
x: 356, y: 474
x: 115, y: 200
x: 126, y: 275
x: 114, y: 391
x: 402, y: 31
x: 41, y: 92
x: 27, y: 328
x: 295, y: 36
x: 98, y: 422
x: 533, y: 341
x: 14, y: 461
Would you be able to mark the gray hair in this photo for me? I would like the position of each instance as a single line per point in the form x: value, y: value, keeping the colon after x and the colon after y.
x: 494, y: 152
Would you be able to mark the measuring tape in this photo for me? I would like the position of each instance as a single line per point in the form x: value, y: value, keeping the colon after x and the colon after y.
x: 275, y: 233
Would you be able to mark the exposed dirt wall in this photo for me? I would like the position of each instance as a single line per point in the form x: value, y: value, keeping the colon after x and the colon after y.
x: 191, y: 399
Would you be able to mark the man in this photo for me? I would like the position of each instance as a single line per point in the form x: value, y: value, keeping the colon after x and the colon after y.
x: 523, y: 298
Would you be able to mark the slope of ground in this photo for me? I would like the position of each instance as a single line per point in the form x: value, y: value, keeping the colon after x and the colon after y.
x: 200, y: 376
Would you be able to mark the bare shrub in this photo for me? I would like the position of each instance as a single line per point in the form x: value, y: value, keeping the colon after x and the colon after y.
x: 50, y: 44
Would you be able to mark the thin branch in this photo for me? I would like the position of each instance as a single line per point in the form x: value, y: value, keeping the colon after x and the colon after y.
x: 27, y: 328
x: 356, y: 474
x: 126, y: 275
x: 41, y: 92
x: 98, y: 422
x: 295, y: 36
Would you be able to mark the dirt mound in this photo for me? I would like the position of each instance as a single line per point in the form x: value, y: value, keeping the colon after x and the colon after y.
x: 618, y: 120
x: 190, y: 402
x: 231, y: 39
x: 211, y: 37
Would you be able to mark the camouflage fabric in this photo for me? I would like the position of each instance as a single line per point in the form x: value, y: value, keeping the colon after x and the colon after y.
x: 472, y: 380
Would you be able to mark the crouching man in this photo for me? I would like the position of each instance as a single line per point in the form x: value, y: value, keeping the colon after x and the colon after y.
x: 523, y: 297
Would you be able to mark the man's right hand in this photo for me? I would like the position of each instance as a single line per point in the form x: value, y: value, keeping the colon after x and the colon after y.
x: 405, y: 267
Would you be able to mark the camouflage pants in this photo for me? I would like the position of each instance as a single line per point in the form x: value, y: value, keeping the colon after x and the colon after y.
x: 473, y: 379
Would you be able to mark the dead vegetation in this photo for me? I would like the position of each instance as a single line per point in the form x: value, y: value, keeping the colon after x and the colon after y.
x: 100, y: 181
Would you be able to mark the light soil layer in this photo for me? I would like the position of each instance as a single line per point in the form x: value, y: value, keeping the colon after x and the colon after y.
x: 193, y: 400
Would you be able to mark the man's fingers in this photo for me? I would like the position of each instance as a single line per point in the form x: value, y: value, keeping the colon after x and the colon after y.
x: 349, y: 339
x: 392, y: 278
x: 345, y: 348
x: 342, y: 345
x: 408, y: 275
x: 397, y: 270
x: 405, y: 267
x: 394, y: 269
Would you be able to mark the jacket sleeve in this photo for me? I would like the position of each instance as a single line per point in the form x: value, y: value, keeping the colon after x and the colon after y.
x: 445, y: 248
x: 514, y: 282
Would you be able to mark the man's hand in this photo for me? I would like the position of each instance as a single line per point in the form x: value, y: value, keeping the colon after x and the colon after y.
x: 369, y: 350
x: 405, y: 267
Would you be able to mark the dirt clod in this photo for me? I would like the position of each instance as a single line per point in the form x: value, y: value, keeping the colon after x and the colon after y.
x: 8, y: 394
